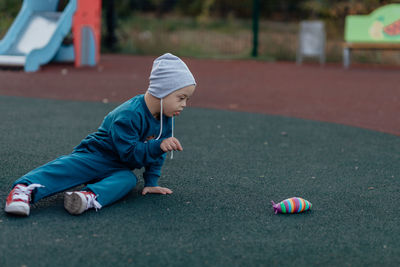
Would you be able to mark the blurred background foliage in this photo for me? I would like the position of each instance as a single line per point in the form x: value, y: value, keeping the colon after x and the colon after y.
x: 221, y: 28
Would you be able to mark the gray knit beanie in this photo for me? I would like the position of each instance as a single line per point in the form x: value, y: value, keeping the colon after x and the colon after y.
x: 169, y: 73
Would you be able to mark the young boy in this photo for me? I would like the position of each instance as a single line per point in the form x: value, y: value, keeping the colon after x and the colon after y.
x: 136, y: 134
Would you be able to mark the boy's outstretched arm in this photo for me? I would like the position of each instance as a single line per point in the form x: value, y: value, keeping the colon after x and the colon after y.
x: 151, y: 175
x: 153, y: 172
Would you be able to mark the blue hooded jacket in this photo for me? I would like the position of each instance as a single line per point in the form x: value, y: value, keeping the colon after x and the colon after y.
x: 127, y: 135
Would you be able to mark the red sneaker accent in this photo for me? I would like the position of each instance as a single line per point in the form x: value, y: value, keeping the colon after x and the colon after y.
x: 19, y: 198
x: 15, y: 194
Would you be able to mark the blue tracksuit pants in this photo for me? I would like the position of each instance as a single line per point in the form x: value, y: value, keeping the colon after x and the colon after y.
x: 112, y: 179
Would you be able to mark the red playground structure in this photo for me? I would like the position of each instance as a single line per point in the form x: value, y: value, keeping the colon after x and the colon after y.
x: 86, y: 32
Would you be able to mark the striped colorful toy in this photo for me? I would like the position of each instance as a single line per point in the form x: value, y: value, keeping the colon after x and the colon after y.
x: 292, y: 205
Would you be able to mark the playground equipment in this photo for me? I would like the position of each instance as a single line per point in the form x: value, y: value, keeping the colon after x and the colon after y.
x: 376, y: 31
x: 36, y: 35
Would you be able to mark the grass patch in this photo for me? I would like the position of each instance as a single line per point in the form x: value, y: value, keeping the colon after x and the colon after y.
x: 229, y: 38
x: 5, y: 23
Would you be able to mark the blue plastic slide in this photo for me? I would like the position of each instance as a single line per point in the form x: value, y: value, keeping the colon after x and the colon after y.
x: 36, y: 35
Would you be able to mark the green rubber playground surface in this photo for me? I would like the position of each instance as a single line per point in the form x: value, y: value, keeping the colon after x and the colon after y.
x: 232, y: 166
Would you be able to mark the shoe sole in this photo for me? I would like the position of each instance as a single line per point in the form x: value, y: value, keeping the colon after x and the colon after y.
x: 17, y: 209
x: 74, y: 202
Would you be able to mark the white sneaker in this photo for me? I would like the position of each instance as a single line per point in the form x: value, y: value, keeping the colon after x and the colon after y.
x: 19, y: 198
x: 79, y: 201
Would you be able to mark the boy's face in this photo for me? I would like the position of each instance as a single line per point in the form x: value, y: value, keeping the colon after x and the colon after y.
x: 174, y: 103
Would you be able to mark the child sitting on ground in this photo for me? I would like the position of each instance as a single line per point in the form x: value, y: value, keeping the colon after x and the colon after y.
x: 136, y: 134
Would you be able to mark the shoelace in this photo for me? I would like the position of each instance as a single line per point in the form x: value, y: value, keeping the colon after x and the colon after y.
x: 92, y: 202
x: 24, y: 193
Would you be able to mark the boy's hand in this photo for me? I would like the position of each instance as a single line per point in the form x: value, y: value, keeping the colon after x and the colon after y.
x: 156, y: 190
x: 171, y: 144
